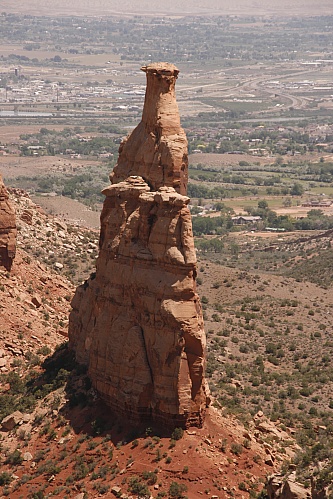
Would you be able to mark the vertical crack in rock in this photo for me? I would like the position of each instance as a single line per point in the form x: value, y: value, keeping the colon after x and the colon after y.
x: 8, y: 229
x: 138, y: 323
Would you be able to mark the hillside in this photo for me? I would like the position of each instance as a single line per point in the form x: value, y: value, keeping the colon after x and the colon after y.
x: 69, y: 249
x: 59, y: 438
x: 269, y: 369
x: 270, y: 345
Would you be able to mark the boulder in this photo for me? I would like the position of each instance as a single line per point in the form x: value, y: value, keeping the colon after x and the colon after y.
x: 9, y: 422
x: 294, y: 490
x: 36, y: 300
x: 27, y: 456
x: 280, y: 487
x: 27, y: 216
x: 116, y: 491
x: 274, y: 485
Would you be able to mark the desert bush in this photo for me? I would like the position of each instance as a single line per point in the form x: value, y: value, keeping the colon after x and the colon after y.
x: 236, y: 449
x: 150, y: 477
x: 176, y: 490
x: 136, y: 486
x: 14, y: 458
x: 177, y: 434
x: 101, y: 487
x: 5, y: 478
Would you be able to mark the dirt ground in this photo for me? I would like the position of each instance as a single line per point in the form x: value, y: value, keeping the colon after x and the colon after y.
x: 302, y: 211
x: 14, y: 166
x: 70, y: 210
x: 12, y: 132
x: 213, y: 159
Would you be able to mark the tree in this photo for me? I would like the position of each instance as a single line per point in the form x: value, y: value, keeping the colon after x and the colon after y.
x: 315, y: 213
x: 297, y: 189
x: 262, y: 204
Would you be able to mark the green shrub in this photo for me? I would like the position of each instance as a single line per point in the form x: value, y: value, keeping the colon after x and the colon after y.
x: 236, y: 449
x: 137, y: 487
x: 80, y: 470
x: 37, y: 495
x: 177, y: 434
x: 150, y: 477
x: 5, y: 478
x: 176, y: 490
x: 14, y: 458
x: 101, y: 488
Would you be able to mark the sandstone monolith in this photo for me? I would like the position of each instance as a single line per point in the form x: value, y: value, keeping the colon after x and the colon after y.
x: 137, y: 322
x: 8, y: 229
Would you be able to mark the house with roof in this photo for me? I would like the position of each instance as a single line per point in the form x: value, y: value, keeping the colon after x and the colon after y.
x: 245, y: 220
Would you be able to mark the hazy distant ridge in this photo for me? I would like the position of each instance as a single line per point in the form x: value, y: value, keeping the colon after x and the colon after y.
x: 177, y: 7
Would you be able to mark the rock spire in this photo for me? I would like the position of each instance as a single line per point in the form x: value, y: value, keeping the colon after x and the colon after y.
x: 8, y: 229
x: 137, y: 323
x: 157, y: 148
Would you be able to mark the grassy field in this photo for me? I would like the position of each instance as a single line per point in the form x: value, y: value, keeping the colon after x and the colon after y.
x: 323, y: 189
x: 239, y: 105
x: 238, y: 204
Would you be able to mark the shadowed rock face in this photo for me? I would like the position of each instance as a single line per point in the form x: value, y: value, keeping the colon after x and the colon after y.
x: 7, y: 229
x: 137, y: 323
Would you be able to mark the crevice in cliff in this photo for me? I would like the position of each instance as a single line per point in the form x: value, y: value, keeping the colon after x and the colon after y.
x: 147, y: 356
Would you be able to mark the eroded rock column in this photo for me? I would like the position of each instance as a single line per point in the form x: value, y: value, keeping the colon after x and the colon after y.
x: 8, y: 229
x: 137, y: 323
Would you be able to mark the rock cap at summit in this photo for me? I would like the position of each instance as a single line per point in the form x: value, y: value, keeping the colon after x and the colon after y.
x: 162, y: 68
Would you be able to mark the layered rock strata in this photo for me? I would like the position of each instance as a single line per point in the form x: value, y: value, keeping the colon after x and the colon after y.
x: 8, y: 229
x: 137, y: 323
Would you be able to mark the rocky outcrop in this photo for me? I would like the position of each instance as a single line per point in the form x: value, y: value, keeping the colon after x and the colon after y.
x: 9, y: 422
x: 8, y: 229
x: 137, y: 323
x: 157, y: 148
x: 280, y: 487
